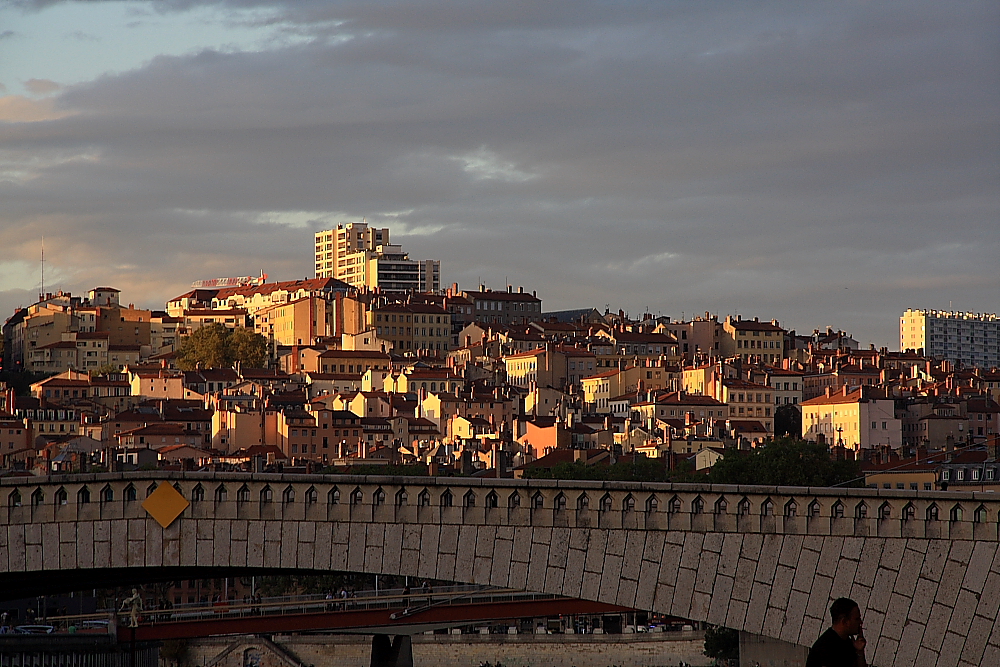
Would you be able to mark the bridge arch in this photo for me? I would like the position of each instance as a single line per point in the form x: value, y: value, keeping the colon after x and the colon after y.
x: 929, y: 582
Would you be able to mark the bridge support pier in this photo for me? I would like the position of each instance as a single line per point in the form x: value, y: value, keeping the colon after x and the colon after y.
x: 397, y: 653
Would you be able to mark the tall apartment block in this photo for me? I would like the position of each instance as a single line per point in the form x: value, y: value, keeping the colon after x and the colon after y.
x: 362, y: 256
x: 972, y: 339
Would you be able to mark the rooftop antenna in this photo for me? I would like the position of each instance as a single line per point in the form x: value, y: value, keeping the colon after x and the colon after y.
x: 41, y: 293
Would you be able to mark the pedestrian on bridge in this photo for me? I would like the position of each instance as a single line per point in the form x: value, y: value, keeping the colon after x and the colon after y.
x: 843, y: 644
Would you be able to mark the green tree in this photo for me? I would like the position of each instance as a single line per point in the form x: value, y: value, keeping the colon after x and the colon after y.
x: 642, y: 469
x: 21, y: 382
x: 786, y: 462
x: 788, y: 421
x: 216, y: 346
x: 105, y: 369
x: 722, y: 643
x: 247, y: 347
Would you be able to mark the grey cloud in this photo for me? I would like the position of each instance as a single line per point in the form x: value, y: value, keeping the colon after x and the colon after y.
x: 831, y: 163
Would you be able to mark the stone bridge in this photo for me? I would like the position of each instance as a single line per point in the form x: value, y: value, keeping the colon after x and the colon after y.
x: 923, y: 565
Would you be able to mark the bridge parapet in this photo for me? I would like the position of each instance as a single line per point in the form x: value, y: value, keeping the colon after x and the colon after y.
x: 506, y: 502
x: 924, y: 565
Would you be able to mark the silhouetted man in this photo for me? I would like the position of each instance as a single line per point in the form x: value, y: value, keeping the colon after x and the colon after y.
x: 843, y: 645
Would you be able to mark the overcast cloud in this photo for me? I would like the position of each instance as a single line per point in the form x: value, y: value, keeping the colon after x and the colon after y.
x: 818, y: 163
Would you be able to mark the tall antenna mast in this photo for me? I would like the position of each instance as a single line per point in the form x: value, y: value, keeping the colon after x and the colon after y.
x: 41, y: 293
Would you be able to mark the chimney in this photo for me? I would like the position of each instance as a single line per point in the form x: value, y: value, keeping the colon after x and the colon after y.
x: 829, y: 392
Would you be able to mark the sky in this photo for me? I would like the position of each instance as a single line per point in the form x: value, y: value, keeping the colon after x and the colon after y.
x: 821, y: 163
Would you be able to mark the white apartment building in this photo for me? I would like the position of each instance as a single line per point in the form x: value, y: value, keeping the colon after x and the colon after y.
x: 971, y: 339
x: 362, y: 257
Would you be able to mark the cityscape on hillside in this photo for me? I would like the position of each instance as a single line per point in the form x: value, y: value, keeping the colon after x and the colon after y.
x: 499, y: 334
x: 373, y: 363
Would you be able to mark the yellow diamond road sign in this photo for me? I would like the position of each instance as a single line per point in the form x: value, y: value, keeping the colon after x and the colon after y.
x: 165, y: 504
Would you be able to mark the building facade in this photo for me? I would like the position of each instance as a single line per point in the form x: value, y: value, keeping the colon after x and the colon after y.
x: 362, y: 257
x: 508, y: 308
x: 860, y: 419
x: 970, y: 339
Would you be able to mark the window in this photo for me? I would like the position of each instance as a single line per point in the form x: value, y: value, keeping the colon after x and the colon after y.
x: 743, y: 508
x: 606, y: 503
x: 537, y: 501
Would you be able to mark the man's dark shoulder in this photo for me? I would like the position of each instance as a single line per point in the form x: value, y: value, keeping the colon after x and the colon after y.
x: 831, y: 651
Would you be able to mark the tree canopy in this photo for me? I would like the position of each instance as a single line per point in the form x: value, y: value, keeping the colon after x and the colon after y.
x: 642, y: 469
x: 787, y: 421
x: 722, y: 643
x: 783, y: 462
x: 216, y: 346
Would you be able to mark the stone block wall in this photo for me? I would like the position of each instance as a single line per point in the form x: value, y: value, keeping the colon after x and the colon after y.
x: 633, y: 650
x: 924, y: 566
